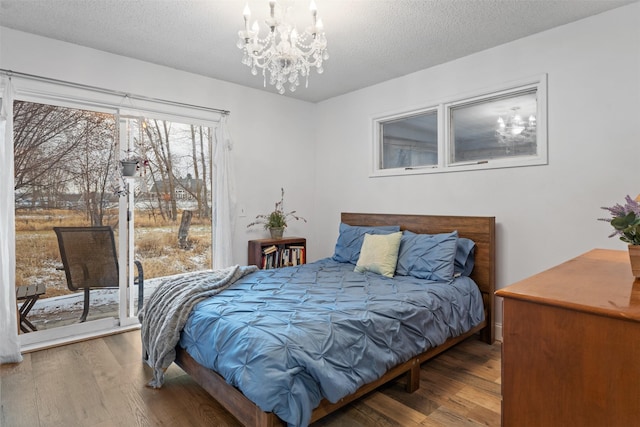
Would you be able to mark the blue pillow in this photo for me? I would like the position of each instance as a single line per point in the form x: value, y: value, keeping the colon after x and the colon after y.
x: 427, y: 256
x: 351, y: 237
x: 465, y: 257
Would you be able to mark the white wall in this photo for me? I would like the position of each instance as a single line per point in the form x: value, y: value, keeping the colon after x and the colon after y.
x: 272, y: 141
x: 545, y: 214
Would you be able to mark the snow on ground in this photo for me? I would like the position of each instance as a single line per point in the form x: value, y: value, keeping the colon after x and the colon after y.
x: 63, y: 310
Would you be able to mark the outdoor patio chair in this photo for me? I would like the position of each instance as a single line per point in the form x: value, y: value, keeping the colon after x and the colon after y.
x: 90, y: 261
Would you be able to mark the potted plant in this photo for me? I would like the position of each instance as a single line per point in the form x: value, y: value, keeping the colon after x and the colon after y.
x: 129, y: 166
x: 130, y: 163
x: 625, y: 219
x: 276, y: 221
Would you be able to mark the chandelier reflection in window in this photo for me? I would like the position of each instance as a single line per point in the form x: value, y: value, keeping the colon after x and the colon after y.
x: 284, y: 53
x: 516, y: 131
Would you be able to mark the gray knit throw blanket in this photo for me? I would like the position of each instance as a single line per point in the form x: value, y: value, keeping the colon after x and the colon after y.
x: 168, y: 308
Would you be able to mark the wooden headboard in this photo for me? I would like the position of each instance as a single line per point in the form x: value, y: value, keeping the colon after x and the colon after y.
x: 479, y: 229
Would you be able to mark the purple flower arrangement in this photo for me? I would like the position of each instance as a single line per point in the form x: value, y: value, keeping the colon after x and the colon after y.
x: 625, y: 219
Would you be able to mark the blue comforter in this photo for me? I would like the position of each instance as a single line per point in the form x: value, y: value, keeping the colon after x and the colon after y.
x: 289, y: 337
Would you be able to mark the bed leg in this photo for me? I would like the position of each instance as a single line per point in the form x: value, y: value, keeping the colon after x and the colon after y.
x: 413, y: 377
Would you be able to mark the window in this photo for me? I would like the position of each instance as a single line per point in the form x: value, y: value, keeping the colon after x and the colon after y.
x: 503, y: 128
x: 409, y: 142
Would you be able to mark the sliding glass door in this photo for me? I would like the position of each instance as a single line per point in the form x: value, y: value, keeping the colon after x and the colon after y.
x: 69, y: 141
x: 69, y: 171
x: 63, y: 158
x: 169, y: 193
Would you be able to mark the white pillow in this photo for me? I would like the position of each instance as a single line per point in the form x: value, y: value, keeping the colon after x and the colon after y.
x: 379, y: 253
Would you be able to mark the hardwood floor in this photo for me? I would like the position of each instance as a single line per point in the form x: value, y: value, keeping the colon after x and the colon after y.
x: 101, y: 383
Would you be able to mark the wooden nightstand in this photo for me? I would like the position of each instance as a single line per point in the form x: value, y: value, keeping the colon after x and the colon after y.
x: 275, y: 253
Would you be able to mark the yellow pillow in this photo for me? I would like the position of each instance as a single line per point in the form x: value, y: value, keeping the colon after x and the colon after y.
x: 379, y: 253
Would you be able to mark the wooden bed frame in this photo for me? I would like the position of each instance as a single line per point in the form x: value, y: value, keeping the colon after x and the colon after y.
x: 479, y: 229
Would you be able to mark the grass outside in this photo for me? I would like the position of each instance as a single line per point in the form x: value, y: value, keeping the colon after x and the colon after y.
x: 156, y: 246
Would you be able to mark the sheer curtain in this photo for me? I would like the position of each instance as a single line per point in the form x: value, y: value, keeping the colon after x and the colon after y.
x: 10, y: 348
x: 224, y: 197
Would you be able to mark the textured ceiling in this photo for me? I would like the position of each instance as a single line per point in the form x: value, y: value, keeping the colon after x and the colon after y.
x: 369, y: 41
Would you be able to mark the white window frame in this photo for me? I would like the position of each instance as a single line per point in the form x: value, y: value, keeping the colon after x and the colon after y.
x: 378, y: 137
x: 445, y: 142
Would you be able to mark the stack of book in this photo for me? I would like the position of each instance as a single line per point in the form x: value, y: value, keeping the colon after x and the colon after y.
x: 275, y: 257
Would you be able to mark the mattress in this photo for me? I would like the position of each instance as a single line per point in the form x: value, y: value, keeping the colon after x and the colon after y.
x: 286, y: 338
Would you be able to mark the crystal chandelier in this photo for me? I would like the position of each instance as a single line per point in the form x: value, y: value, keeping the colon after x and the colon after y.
x: 515, y: 130
x: 284, y: 53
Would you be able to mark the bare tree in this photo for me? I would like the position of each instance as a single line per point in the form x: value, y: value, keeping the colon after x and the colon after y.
x: 44, y: 136
x: 198, y: 157
x: 169, y: 163
x: 91, y: 165
x: 169, y: 170
x: 194, y: 158
x: 159, y: 139
x: 204, y: 155
x: 62, y: 150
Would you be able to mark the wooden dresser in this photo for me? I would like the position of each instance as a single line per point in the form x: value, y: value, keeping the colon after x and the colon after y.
x: 571, y: 345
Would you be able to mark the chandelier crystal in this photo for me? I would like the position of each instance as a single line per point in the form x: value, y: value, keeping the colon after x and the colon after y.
x: 515, y: 130
x: 284, y: 53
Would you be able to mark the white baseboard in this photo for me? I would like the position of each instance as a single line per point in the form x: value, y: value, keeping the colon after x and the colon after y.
x: 497, y: 330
